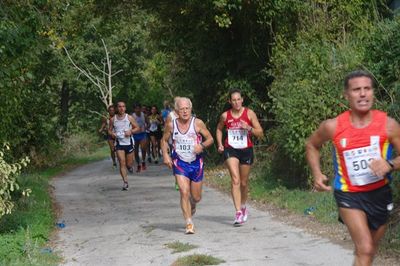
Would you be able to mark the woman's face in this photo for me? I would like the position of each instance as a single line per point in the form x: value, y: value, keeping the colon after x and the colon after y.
x: 236, y: 101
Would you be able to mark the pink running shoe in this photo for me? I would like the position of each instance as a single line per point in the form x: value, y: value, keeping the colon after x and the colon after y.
x: 238, y: 219
x: 245, y: 213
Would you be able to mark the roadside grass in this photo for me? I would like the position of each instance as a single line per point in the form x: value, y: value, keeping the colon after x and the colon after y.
x: 264, y: 189
x: 197, y: 260
x: 25, y: 233
x: 178, y: 247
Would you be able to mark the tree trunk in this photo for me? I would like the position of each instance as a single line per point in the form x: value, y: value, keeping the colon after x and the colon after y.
x: 64, y: 106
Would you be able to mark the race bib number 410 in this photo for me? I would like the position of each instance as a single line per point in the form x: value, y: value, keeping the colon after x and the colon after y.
x: 237, y: 138
x: 357, y: 163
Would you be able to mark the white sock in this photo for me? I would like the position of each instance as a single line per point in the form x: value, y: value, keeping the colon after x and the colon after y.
x: 243, y: 206
x: 189, y: 221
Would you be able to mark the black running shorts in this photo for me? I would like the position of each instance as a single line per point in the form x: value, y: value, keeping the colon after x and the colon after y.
x: 245, y: 156
x: 376, y: 204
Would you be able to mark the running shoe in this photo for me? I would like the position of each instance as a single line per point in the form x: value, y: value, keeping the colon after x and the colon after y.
x: 176, y: 186
x: 189, y: 229
x: 144, y: 166
x: 125, y: 186
x: 138, y: 169
x: 238, y: 219
x: 130, y: 170
x: 114, y: 166
x: 245, y: 213
x: 149, y: 159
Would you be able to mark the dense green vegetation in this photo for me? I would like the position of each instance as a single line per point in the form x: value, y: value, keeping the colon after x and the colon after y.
x: 288, y: 56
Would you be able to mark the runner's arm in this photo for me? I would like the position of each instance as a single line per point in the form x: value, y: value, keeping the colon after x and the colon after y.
x: 111, y: 128
x: 135, y: 126
x: 164, y: 144
x: 314, y: 143
x: 218, y: 133
x: 202, y: 129
x: 257, y: 130
x: 103, y: 124
x: 382, y: 167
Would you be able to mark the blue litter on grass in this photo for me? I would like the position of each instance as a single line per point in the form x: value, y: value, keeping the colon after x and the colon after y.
x: 61, y: 224
x: 46, y: 250
x: 310, y: 210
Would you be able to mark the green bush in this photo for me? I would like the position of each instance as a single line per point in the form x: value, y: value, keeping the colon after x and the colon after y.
x: 307, y: 90
x: 8, y: 181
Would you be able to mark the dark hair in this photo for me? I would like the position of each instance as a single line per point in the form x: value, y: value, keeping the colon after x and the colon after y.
x: 111, y: 106
x: 358, y: 74
x: 137, y: 105
x: 234, y: 90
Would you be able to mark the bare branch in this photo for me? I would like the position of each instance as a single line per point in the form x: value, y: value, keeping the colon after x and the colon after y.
x: 103, y: 83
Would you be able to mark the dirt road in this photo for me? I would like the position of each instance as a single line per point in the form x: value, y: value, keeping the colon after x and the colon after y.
x: 107, y: 226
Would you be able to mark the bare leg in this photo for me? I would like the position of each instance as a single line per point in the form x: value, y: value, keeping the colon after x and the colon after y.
x: 122, y: 165
x: 184, y: 188
x: 364, y: 240
x: 112, y: 151
x: 233, y: 167
x: 129, y: 160
x: 244, y: 170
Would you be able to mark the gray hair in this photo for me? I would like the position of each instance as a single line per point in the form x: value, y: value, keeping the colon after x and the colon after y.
x: 179, y: 99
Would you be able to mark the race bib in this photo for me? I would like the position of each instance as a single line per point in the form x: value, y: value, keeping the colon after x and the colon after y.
x: 185, y: 147
x: 237, y: 138
x: 153, y: 127
x: 357, y: 161
x: 120, y: 134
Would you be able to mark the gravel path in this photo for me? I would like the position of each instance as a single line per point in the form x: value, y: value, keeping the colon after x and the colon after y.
x: 107, y: 226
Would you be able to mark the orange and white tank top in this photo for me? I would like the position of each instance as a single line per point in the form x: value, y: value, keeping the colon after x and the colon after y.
x: 237, y: 137
x: 354, y: 148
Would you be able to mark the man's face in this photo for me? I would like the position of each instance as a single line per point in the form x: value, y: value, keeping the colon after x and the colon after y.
x: 360, y: 94
x: 153, y: 110
x: 121, y: 108
x: 111, y: 111
x: 236, y: 101
x: 137, y: 110
x: 184, y: 111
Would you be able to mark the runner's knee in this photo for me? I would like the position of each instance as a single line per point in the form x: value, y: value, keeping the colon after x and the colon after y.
x: 196, y: 198
x: 185, y: 193
x: 235, y: 182
x: 365, y: 249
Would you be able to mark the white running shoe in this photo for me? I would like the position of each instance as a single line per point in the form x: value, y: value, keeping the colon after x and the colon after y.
x: 189, y: 229
x: 245, y: 213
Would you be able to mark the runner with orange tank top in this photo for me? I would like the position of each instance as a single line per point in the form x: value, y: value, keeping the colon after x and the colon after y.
x: 363, y: 140
x: 241, y: 124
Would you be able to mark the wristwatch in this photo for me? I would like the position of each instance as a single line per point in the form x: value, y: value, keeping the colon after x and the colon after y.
x: 390, y: 162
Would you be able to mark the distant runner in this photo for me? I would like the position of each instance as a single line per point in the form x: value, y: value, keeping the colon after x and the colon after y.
x: 154, y: 126
x: 186, y: 161
x: 122, y: 126
x: 105, y: 125
x: 140, y: 138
